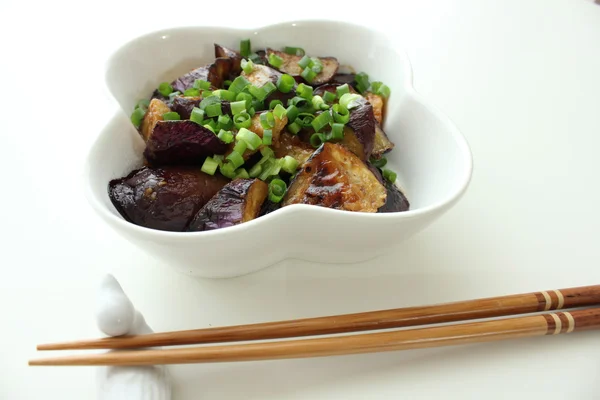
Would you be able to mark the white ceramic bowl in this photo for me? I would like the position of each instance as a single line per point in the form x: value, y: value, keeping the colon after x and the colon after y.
x: 431, y: 157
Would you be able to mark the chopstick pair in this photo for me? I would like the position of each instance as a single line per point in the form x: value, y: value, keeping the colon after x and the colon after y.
x: 464, y: 333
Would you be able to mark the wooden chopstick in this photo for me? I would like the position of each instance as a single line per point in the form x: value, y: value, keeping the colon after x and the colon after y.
x: 465, y: 333
x: 375, y: 320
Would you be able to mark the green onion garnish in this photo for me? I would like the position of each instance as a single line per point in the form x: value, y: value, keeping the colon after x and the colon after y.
x: 275, y: 103
x: 317, y: 139
x: 255, y: 171
x: 247, y: 66
x: 241, y: 173
x: 298, y: 101
x: 255, y: 58
x: 279, y: 111
x: 219, y: 158
x: 226, y: 95
x: 257, y: 105
x: 143, y: 104
x: 251, y: 111
x: 208, y: 101
x: 285, y: 83
x: 239, y: 84
x: 337, y: 131
x: 245, y: 48
x: 375, y: 86
x: 267, y: 120
x: 197, y: 116
x: 308, y: 75
x: 171, y: 116
x: 267, y: 152
x: 252, y: 139
x: 389, y: 175
x: 317, y: 65
x: 277, y: 189
x: 247, y: 97
x: 201, y: 84
x: 206, y: 93
x: 209, y: 166
x: 294, y: 128
x: 378, y: 162
x: 191, y: 92
x: 292, y: 112
x: 137, y: 117
x: 267, y: 137
x: 209, y: 127
x: 262, y: 92
x: 342, y: 90
x: 350, y: 100
x: 270, y: 168
x: 213, y: 110
x: 269, y: 88
x: 238, y: 106
x: 321, y: 121
x: 165, y: 89
x: 236, y: 159
x: 275, y: 60
x: 224, y: 122
x: 228, y: 170
x: 290, y: 164
x: 304, y: 91
x: 317, y: 102
x: 174, y: 94
x: 295, y: 51
x: 384, y: 91
x: 240, y: 147
x: 242, y: 120
x: 226, y: 83
x: 340, y: 114
x: 305, y: 119
x: 329, y: 97
x: 225, y: 136
x: 362, y: 82
x: 305, y: 62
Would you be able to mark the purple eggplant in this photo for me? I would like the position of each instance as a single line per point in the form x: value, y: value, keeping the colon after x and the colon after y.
x: 359, y: 132
x: 165, y: 198
x: 181, y: 143
x: 236, y: 59
x: 382, y: 143
x: 184, y: 105
x: 239, y: 201
x: 214, y: 73
x: 395, y: 201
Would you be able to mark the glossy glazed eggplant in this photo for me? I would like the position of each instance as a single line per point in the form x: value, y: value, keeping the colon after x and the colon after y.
x: 335, y: 177
x: 395, y: 201
x: 359, y: 132
x: 382, y: 143
x: 165, y: 198
x: 291, y: 145
x: 215, y: 73
x: 184, y: 105
x: 239, y: 201
x: 236, y: 59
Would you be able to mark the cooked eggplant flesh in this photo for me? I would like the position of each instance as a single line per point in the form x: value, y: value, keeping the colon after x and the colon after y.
x: 165, y: 198
x: 290, y: 66
x: 181, y: 143
x: 382, y: 143
x: 291, y: 145
x: 334, y: 177
x: 362, y: 122
x: 215, y: 73
x: 234, y: 56
x: 239, y: 201
x: 155, y: 112
x: 377, y: 103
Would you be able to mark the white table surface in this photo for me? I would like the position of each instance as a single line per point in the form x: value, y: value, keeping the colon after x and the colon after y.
x: 521, y: 79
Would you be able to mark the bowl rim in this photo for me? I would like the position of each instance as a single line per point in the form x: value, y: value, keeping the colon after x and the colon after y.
x: 408, y: 87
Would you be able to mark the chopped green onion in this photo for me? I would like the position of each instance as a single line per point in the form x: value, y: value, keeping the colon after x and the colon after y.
x: 279, y: 111
x: 174, y: 94
x: 247, y: 66
x: 305, y: 119
x: 262, y: 92
x: 137, y: 117
x: 340, y: 114
x: 224, y: 122
x: 209, y: 127
x: 240, y: 147
x: 206, y: 93
x: 298, y: 101
x: 226, y: 95
x: 321, y: 121
x: 252, y: 139
x: 239, y: 84
x: 226, y: 83
x: 209, y: 166
x: 317, y: 139
x: 225, y: 136
x: 304, y: 62
x: 277, y: 189
x: 378, y: 162
x: 389, y: 175
x: 165, y: 89
x: 258, y: 105
x: 275, y: 103
x: 342, y: 90
x: 270, y: 168
x: 245, y: 48
x: 337, y: 131
x: 349, y: 100
x: 362, y: 82
x: 309, y: 75
x: 242, y: 120
x: 201, y: 84
x: 228, y: 170
x: 267, y: 152
x: 275, y: 60
x: 213, y: 110
x: 241, y: 173
x: 292, y: 112
x: 294, y: 128
x: 285, y: 83
x: 384, y: 91
x: 171, y: 116
x: 219, y: 158
x: 304, y: 91
x: 267, y: 137
x: 329, y: 97
x: 375, y: 86
x: 269, y: 88
x: 295, y: 51
x: 247, y: 97
x: 207, y: 101
x: 318, y: 102
x: 191, y: 92
x: 290, y: 164
x: 267, y: 120
x: 197, y: 115
x: 317, y: 65
x: 238, y: 106
x: 255, y: 58
x: 236, y: 159
x: 251, y: 111
x: 143, y: 104
x: 255, y: 171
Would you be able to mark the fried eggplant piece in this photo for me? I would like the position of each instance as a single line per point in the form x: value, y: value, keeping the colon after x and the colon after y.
x: 236, y: 58
x: 330, y: 87
x: 335, y: 177
x: 215, y: 73
x: 395, y: 201
x: 291, y: 145
x: 181, y: 143
x: 184, y: 105
x: 155, y: 112
x: 360, y: 137
x: 290, y: 66
x: 377, y: 103
x: 239, y: 201
x: 341, y: 78
x: 382, y: 143
x: 165, y: 198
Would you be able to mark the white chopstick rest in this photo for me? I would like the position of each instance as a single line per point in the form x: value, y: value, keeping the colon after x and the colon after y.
x: 116, y: 315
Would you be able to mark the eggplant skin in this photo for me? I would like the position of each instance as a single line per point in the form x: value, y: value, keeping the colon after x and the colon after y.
x: 395, y: 201
x: 268, y: 207
x: 165, y: 198
x: 214, y: 73
x: 341, y: 79
x: 236, y: 58
x: 362, y: 122
x: 290, y: 66
x: 382, y: 144
x: 184, y: 105
x: 334, y: 177
x: 181, y: 143
x: 239, y: 201
x: 330, y: 87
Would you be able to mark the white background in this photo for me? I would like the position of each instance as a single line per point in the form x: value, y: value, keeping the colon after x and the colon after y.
x: 521, y: 79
